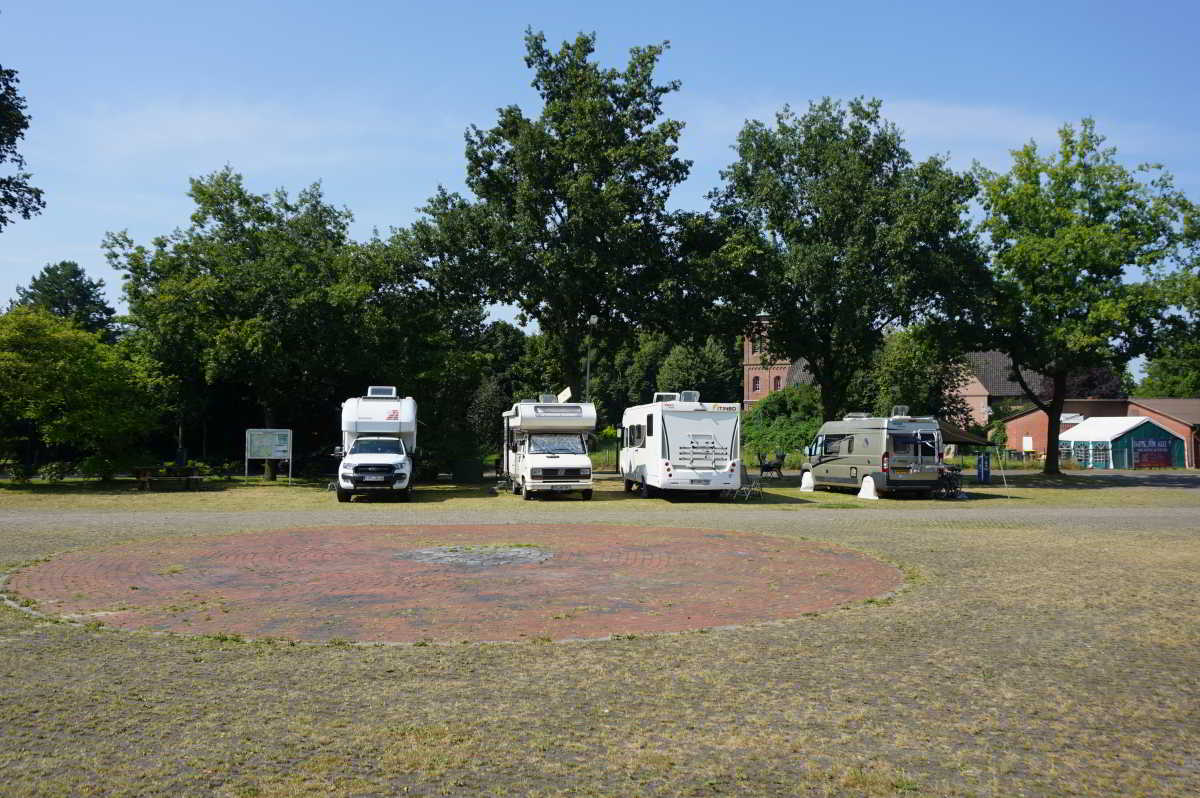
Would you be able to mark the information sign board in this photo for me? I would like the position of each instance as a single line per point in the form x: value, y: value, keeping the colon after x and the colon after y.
x: 269, y: 444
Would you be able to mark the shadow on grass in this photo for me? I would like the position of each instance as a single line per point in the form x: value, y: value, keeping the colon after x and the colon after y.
x: 1095, y: 481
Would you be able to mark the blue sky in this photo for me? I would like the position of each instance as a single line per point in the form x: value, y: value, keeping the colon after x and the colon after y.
x: 130, y: 99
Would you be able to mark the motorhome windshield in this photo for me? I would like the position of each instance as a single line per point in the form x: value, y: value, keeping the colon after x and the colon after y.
x: 377, y: 446
x: 561, y: 443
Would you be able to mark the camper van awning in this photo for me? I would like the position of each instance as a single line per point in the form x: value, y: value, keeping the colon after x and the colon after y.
x: 952, y: 434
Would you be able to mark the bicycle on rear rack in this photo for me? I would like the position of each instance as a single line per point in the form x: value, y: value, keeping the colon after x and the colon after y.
x: 949, y: 484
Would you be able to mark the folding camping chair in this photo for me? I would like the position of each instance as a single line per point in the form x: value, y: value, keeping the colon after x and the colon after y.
x: 750, y: 486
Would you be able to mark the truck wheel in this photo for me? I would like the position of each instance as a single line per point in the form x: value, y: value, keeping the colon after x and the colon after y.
x: 344, y: 495
x: 629, y: 486
x: 525, y: 493
x: 587, y: 495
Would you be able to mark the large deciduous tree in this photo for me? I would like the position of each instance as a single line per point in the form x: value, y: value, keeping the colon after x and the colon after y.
x: 571, y: 220
x: 1071, y: 233
x: 65, y: 290
x: 17, y: 196
x: 846, y: 237
x: 918, y: 369
x: 64, y: 386
x: 265, y: 296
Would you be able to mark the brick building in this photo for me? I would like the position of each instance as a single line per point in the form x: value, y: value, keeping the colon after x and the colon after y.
x: 1179, y: 416
x: 989, y: 378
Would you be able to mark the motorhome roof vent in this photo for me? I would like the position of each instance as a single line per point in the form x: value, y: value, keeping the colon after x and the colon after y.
x: 547, y: 398
x: 528, y: 402
x: 899, y: 410
x: 856, y: 415
x: 689, y: 396
x: 381, y: 392
x: 665, y: 397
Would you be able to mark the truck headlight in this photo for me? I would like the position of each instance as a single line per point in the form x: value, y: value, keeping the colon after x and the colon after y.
x: 535, y: 472
x: 585, y: 472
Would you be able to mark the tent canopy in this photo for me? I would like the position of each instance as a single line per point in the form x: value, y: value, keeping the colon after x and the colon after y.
x: 1103, y: 428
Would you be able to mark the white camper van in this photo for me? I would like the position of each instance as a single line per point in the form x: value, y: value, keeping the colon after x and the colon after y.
x: 679, y: 443
x: 899, y: 454
x: 379, y: 438
x: 545, y: 446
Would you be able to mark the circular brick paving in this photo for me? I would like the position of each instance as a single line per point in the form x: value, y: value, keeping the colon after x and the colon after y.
x: 453, y: 583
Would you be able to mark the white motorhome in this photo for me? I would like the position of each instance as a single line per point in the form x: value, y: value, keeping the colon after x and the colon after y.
x: 876, y: 455
x: 545, y: 446
x: 379, y: 438
x: 679, y: 443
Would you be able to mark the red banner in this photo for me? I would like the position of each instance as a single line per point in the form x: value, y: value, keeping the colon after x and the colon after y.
x: 1151, y: 453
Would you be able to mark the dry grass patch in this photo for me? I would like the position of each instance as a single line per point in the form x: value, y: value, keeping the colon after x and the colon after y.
x: 1050, y: 648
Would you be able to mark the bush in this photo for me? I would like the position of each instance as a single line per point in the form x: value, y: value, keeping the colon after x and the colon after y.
x: 785, y: 421
x: 56, y: 471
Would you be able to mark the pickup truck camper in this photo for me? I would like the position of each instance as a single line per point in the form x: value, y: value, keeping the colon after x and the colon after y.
x: 379, y: 439
x: 545, y: 446
x: 678, y: 443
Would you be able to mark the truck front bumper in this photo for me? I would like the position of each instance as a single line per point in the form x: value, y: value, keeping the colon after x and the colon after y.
x: 357, y: 483
x: 537, y: 485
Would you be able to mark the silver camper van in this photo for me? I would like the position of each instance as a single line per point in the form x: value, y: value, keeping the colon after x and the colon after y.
x: 900, y: 453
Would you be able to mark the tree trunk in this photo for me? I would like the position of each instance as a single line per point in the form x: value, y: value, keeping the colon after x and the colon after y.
x: 1054, y: 422
x: 831, y: 400
x: 269, y: 464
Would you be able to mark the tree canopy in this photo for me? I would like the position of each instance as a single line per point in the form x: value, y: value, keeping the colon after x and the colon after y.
x: 66, y: 291
x: 1069, y: 234
x: 846, y: 237
x: 571, y: 220
x: 17, y: 196
x: 64, y: 386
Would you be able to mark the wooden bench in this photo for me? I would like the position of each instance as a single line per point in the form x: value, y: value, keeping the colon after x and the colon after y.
x: 187, y: 476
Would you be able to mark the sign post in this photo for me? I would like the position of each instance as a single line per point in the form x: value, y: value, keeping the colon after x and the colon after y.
x: 269, y: 444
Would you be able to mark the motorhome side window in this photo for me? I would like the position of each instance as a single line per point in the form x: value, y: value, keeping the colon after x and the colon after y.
x: 649, y: 426
x: 832, y: 444
x: 637, y: 435
x: 850, y: 445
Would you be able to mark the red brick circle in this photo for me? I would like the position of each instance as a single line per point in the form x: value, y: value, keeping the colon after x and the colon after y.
x: 357, y: 583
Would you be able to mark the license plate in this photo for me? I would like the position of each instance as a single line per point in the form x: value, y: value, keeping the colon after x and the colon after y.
x: 373, y: 478
x: 560, y: 487
x: 698, y: 481
x: 901, y: 469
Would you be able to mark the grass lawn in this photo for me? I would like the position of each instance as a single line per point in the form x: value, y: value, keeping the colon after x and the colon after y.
x: 1047, y: 644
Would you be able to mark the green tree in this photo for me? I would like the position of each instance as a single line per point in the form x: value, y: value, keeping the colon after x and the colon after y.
x: 846, y: 237
x: 65, y: 387
x: 916, y: 369
x: 571, y: 219
x: 713, y: 369
x: 17, y: 197
x: 268, y: 294
x: 64, y: 289
x: 1175, y: 372
x: 1065, y: 230
x: 785, y: 421
x: 251, y: 293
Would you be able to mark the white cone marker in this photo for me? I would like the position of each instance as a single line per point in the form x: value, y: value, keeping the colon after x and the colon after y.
x: 867, y: 491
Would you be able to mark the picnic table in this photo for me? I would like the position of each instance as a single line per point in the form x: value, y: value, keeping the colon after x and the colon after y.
x: 186, y: 476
